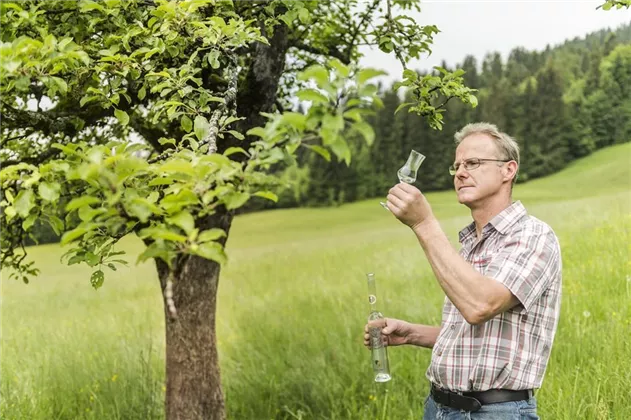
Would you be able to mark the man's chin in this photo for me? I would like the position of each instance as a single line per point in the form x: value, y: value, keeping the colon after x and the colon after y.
x: 465, y: 199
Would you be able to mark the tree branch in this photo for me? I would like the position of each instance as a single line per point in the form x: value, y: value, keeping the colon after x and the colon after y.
x: 8, y: 139
x: 33, y: 160
x: 46, y: 122
x: 150, y: 134
x: 396, y: 49
x: 358, y: 28
x: 332, y: 52
x: 229, y: 99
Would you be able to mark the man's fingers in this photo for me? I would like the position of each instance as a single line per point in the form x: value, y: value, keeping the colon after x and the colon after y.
x: 407, y: 188
x: 375, y: 323
x: 394, y: 201
x: 398, y: 192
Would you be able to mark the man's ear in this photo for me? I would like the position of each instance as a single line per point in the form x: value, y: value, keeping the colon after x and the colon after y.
x: 510, y: 170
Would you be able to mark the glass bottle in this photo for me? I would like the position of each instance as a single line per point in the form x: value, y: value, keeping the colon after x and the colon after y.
x: 379, y: 352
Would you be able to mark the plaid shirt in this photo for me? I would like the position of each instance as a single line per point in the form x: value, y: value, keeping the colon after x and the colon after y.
x: 511, y: 350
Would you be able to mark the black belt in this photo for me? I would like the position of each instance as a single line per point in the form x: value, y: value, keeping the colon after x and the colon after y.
x: 473, y: 401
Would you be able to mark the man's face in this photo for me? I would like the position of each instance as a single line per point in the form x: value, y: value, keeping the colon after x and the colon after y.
x: 474, y: 186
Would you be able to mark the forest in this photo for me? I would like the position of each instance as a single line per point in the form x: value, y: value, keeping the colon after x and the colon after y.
x: 560, y: 104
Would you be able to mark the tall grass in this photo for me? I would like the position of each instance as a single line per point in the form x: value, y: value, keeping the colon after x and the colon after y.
x: 292, y: 305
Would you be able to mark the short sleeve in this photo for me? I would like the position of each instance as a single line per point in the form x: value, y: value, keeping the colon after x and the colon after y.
x: 527, y: 264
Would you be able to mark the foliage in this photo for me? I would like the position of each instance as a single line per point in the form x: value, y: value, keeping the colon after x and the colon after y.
x: 618, y: 4
x: 141, y: 116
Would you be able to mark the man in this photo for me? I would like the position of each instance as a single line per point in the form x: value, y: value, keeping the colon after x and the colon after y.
x: 503, y: 289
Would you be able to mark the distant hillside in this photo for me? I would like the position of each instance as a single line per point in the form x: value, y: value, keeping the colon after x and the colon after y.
x: 560, y: 104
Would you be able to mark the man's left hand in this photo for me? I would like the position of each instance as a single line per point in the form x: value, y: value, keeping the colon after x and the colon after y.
x: 409, y: 205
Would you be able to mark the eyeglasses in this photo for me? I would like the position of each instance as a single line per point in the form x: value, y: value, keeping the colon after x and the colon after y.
x: 470, y: 164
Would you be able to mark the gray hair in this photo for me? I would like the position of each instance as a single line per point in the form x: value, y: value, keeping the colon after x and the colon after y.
x: 506, y: 145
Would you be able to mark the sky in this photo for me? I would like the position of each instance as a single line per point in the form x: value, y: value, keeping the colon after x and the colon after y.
x: 478, y: 27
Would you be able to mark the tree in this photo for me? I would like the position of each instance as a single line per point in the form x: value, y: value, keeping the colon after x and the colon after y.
x: 162, y: 118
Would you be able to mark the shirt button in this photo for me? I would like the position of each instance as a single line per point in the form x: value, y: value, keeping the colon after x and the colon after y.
x: 440, y: 353
x: 453, y: 326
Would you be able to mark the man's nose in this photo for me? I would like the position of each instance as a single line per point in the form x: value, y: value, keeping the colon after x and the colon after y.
x: 461, y: 171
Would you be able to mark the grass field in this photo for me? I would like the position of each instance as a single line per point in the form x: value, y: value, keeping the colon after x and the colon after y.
x: 292, y: 307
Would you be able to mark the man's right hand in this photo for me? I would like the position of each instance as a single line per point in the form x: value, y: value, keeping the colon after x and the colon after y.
x: 395, y: 332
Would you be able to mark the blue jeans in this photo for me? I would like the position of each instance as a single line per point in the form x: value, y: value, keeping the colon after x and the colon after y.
x: 512, y: 410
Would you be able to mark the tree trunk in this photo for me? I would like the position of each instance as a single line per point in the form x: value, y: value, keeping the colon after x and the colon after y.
x: 193, y: 380
x: 192, y: 365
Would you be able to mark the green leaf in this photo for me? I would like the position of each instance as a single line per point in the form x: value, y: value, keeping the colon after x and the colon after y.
x: 49, y: 191
x: 61, y: 84
x: 231, y: 150
x: 340, y: 67
x: 213, y: 59
x: 236, y: 134
x: 87, y: 213
x: 333, y: 123
x: 256, y: 131
x: 402, y: 106
x: 92, y: 259
x: 29, y: 221
x: 9, y: 195
x: 235, y: 199
x: 267, y: 194
x: 142, y: 209
x: 142, y: 93
x: 316, y: 72
x: 210, y: 235
x: 202, y: 127
x: 211, y: 251
x: 365, y: 130
x: 77, y: 258
x: 10, y: 212
x: 73, y: 234
x: 97, y: 279
x: 24, y: 202
x: 320, y: 150
x: 159, y: 232
x: 304, y: 15
x: 157, y: 250
x: 122, y: 116
x: 341, y: 150
x: 11, y: 66
x: 295, y: 119
x: 187, y: 124
x: 184, y: 220
x: 410, y: 75
x: 177, y: 165
x: 89, y: 5
x: 173, y: 203
x: 88, y: 98
x: 367, y: 74
x: 312, y: 95
x: 56, y: 223
x: 85, y: 200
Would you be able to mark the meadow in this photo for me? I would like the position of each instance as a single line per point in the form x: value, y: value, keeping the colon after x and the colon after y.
x: 292, y: 306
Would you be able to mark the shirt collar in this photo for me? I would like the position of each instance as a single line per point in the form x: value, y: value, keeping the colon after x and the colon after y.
x: 508, y: 217
x: 500, y: 222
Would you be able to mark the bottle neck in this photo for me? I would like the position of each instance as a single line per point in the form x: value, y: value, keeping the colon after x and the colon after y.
x: 373, y: 307
x: 372, y: 292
